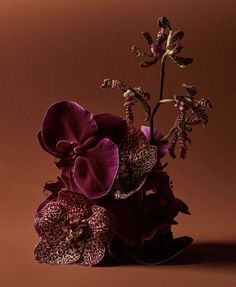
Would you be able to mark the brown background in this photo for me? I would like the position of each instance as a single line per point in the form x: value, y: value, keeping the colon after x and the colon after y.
x: 55, y: 50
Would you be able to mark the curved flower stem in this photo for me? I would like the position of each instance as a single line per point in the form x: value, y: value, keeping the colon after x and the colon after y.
x: 162, y: 77
x: 166, y: 137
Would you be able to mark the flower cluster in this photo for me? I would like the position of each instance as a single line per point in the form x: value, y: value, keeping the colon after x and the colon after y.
x: 113, y: 198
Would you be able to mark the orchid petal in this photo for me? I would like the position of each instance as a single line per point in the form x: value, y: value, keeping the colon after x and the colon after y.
x: 101, y: 224
x: 163, y: 147
x: 93, y: 253
x: 94, y: 172
x: 76, y: 204
x: 66, y: 121
x: 50, y: 221
x: 64, y: 252
x: 111, y: 126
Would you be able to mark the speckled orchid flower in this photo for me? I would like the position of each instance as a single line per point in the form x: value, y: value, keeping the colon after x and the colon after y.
x: 137, y: 158
x: 72, y: 230
x: 86, y: 146
x: 160, y: 51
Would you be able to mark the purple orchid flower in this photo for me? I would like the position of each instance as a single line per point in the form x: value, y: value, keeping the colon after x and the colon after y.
x: 72, y: 230
x: 86, y: 146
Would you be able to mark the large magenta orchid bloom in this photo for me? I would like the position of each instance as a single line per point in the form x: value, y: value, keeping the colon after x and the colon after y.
x: 86, y: 146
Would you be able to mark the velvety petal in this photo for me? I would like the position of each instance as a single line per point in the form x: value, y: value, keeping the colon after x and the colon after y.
x: 66, y: 121
x: 101, y: 223
x: 64, y: 252
x: 182, y: 206
x: 95, y: 172
x: 93, y: 253
x: 77, y: 205
x: 111, y: 126
x: 51, y: 221
x: 41, y: 142
x: 128, y: 216
x: 158, y: 250
x: 163, y: 147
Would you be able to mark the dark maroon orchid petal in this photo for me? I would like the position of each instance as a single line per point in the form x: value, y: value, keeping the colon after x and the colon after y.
x: 145, y: 64
x: 182, y: 206
x: 76, y: 204
x: 101, y: 223
x: 111, y: 126
x: 163, y: 147
x: 159, y: 249
x: 95, y: 172
x: 128, y: 215
x: 66, y: 121
x: 64, y: 252
x: 181, y: 61
x: 41, y: 142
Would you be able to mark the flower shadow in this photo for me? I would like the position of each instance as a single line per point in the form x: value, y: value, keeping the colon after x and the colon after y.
x: 216, y: 254
x: 209, y: 254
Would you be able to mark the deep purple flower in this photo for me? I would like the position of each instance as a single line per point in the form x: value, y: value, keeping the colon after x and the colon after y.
x: 143, y: 222
x: 85, y: 145
x: 72, y: 230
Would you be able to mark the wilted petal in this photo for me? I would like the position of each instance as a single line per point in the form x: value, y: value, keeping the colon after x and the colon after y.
x: 93, y: 253
x: 66, y: 121
x: 111, y: 126
x: 95, y: 172
x: 77, y: 205
x: 51, y: 222
x: 64, y: 252
x: 101, y: 224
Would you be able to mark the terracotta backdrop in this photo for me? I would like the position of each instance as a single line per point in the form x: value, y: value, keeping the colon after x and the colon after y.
x: 56, y: 50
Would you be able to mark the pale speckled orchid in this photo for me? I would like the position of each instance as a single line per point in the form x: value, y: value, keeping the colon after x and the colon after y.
x: 72, y: 230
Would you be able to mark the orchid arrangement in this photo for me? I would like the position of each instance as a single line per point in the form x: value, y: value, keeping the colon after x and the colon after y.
x: 113, y: 197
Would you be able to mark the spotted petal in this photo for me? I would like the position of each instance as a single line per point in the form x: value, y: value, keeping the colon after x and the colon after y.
x: 66, y: 121
x: 95, y: 172
x: 77, y: 205
x: 64, y: 252
x: 51, y: 221
x: 101, y: 224
x: 163, y: 147
x: 93, y: 253
x: 137, y: 158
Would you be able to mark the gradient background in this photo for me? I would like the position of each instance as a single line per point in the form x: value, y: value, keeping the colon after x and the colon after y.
x: 57, y: 50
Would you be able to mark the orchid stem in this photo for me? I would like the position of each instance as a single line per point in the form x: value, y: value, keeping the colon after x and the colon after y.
x: 162, y: 77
